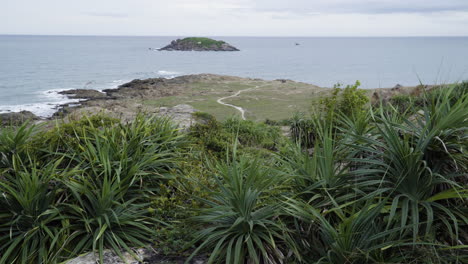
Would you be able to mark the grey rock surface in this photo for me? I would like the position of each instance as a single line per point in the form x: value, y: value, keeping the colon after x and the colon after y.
x: 144, y: 256
x: 17, y: 118
x: 180, y: 114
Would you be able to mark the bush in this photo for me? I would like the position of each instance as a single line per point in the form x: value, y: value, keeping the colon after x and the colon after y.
x: 348, y: 101
x: 253, y: 134
x: 87, y: 187
x: 15, y: 141
x: 241, y: 224
x: 218, y: 137
x: 33, y: 228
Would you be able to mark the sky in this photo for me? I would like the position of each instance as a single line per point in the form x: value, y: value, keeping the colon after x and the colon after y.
x: 235, y: 17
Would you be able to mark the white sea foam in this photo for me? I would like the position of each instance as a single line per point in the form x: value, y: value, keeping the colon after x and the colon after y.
x: 39, y: 109
x: 48, y: 103
x: 110, y: 85
x: 168, y: 73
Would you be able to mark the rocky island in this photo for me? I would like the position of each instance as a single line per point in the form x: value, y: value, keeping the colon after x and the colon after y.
x: 198, y: 44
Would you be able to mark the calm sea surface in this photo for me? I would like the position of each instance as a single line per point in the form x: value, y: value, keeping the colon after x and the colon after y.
x: 34, y: 68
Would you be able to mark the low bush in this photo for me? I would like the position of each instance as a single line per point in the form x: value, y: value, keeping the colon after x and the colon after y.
x: 241, y: 218
x: 88, y: 186
x: 349, y: 100
x: 218, y: 137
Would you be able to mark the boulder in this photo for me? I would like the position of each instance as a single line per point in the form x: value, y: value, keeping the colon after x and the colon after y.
x: 179, y: 114
x: 146, y: 256
x: 17, y: 118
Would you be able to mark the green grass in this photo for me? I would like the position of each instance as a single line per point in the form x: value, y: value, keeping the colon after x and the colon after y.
x: 265, y: 100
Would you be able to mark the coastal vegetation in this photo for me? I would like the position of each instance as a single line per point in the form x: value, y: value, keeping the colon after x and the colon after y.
x: 205, y: 42
x: 199, y: 44
x: 353, y: 181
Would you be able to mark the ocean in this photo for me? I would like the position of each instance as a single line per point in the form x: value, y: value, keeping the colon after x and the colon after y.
x: 34, y: 68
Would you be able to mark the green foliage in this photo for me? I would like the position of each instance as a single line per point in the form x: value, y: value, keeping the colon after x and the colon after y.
x: 240, y: 217
x: 253, y: 134
x: 211, y: 136
x: 102, y: 216
x: 178, y: 201
x: 349, y: 101
x: 32, y: 226
x: 204, y: 42
x: 15, y: 141
x: 356, y: 186
x: 407, y: 103
x: 412, y: 168
x: 94, y: 191
x: 217, y: 137
x: 66, y: 136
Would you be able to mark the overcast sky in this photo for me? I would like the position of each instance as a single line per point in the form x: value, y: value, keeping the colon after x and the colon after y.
x: 236, y: 17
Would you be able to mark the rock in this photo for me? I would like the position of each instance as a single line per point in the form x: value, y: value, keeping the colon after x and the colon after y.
x: 385, y: 95
x: 17, y: 118
x: 198, y: 44
x: 84, y: 94
x: 112, y: 258
x: 179, y: 114
x: 146, y: 256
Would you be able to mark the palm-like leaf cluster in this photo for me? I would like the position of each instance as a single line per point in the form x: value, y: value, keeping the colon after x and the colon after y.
x: 58, y: 200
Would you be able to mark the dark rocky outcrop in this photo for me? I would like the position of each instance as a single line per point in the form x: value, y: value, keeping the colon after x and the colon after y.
x: 84, y: 94
x: 16, y: 118
x: 198, y: 44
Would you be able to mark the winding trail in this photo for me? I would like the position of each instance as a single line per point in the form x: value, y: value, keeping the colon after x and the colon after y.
x: 240, y: 109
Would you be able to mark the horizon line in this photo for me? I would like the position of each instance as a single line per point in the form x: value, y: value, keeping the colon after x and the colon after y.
x: 239, y: 36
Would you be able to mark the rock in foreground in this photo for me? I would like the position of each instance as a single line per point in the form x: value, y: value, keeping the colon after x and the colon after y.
x: 199, y: 44
x: 145, y: 255
x: 16, y: 118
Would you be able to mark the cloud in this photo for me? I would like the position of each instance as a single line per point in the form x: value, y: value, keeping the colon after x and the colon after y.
x: 236, y: 17
x: 107, y: 14
x: 305, y: 7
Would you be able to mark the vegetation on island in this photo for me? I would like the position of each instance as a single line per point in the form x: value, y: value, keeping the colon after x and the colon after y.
x: 204, y: 42
x: 199, y: 44
x: 353, y: 183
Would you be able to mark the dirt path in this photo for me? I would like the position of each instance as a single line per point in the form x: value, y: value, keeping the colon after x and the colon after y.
x: 240, y: 109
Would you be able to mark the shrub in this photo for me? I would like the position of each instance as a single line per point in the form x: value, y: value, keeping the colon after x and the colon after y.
x: 32, y: 226
x: 217, y: 137
x: 211, y: 136
x: 177, y: 201
x: 253, y: 134
x: 102, y: 216
x: 240, y: 221
x: 15, y: 141
x: 86, y: 188
x: 349, y: 101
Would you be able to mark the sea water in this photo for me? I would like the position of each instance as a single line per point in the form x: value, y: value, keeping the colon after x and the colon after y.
x: 34, y: 68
